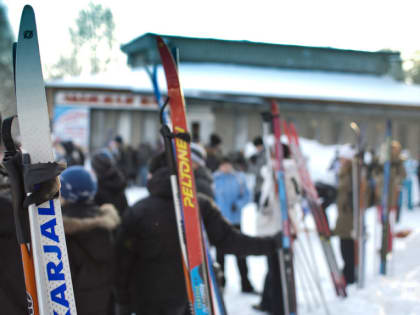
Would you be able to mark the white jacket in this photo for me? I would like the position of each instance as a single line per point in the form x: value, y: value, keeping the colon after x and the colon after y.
x: 269, y: 213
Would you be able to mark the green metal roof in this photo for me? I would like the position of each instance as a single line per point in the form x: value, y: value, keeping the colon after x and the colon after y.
x: 142, y: 51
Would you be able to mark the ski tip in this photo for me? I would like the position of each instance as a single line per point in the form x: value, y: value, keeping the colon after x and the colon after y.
x: 27, y: 9
x: 27, y: 23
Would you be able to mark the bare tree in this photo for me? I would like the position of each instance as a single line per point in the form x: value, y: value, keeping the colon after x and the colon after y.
x: 412, y: 66
x: 92, y: 39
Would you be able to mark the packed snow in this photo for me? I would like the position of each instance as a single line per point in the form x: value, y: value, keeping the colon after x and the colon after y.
x: 396, y: 293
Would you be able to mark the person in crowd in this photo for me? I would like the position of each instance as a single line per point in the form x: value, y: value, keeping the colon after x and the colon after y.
x: 144, y: 153
x: 256, y: 162
x: 328, y: 195
x: 214, y: 152
x: 111, y: 182
x: 69, y: 152
x: 88, y: 230
x: 202, y: 175
x: 397, y: 175
x: 372, y: 168
x: 12, y: 283
x: 125, y: 158
x: 149, y: 263
x: 231, y: 196
x: 335, y: 166
x: 344, y: 224
x: 269, y: 223
x: 239, y: 161
x: 406, y: 193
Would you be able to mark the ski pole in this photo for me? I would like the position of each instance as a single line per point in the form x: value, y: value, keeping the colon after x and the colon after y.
x: 11, y: 161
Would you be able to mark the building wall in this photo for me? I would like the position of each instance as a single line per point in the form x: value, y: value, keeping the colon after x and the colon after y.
x: 240, y: 122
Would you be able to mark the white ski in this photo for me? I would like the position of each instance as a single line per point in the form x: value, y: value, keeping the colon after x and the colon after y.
x: 52, y: 270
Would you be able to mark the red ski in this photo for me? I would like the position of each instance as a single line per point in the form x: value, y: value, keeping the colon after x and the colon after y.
x: 197, y: 265
x: 316, y: 210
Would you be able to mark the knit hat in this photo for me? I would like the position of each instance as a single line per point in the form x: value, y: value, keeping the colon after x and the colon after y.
x: 198, y: 154
x: 346, y: 152
x: 156, y: 162
x: 101, y: 162
x: 215, y: 140
x: 118, y: 139
x: 77, y: 185
x: 258, y: 141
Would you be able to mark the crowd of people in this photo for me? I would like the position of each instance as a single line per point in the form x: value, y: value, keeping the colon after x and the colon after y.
x: 127, y: 260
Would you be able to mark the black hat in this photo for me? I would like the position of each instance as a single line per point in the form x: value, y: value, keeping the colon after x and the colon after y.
x: 226, y: 159
x: 258, y: 141
x: 101, y: 162
x: 157, y: 162
x: 118, y: 139
x: 286, y: 151
x: 215, y: 140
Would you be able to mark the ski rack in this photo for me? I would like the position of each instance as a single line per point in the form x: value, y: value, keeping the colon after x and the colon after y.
x: 318, y: 214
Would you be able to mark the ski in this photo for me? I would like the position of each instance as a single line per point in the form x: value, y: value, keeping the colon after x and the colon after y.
x: 195, y: 251
x: 286, y: 252
x: 386, y: 230
x: 317, y: 212
x: 358, y: 207
x: 48, y: 246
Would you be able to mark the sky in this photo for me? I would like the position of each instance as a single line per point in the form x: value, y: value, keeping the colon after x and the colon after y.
x: 358, y: 24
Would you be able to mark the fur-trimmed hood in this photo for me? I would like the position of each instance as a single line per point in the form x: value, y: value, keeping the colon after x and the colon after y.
x: 105, y: 217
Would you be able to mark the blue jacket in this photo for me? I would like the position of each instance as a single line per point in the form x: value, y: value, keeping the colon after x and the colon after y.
x: 231, y: 194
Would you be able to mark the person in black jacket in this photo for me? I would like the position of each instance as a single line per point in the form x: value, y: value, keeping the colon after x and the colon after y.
x: 89, y: 242
x: 150, y: 273
x: 12, y: 283
x: 111, y: 182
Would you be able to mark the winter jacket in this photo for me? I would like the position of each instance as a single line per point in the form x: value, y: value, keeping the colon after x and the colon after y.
x: 150, y: 273
x: 204, y: 181
x: 231, y: 194
x: 111, y: 189
x: 91, y: 254
x: 256, y: 162
x: 12, y: 283
x: 126, y: 161
x: 214, y: 156
x: 269, y: 214
x: 344, y: 224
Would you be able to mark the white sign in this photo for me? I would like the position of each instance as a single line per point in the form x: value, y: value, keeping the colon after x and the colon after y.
x: 92, y: 99
x: 72, y: 123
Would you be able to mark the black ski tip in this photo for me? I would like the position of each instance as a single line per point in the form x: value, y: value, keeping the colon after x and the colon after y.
x: 26, y: 19
x: 28, y: 8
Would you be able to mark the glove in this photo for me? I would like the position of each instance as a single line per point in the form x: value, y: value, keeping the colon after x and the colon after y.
x: 123, y: 309
x: 42, y: 181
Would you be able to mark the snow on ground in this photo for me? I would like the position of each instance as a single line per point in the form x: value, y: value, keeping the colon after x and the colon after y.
x: 396, y: 293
